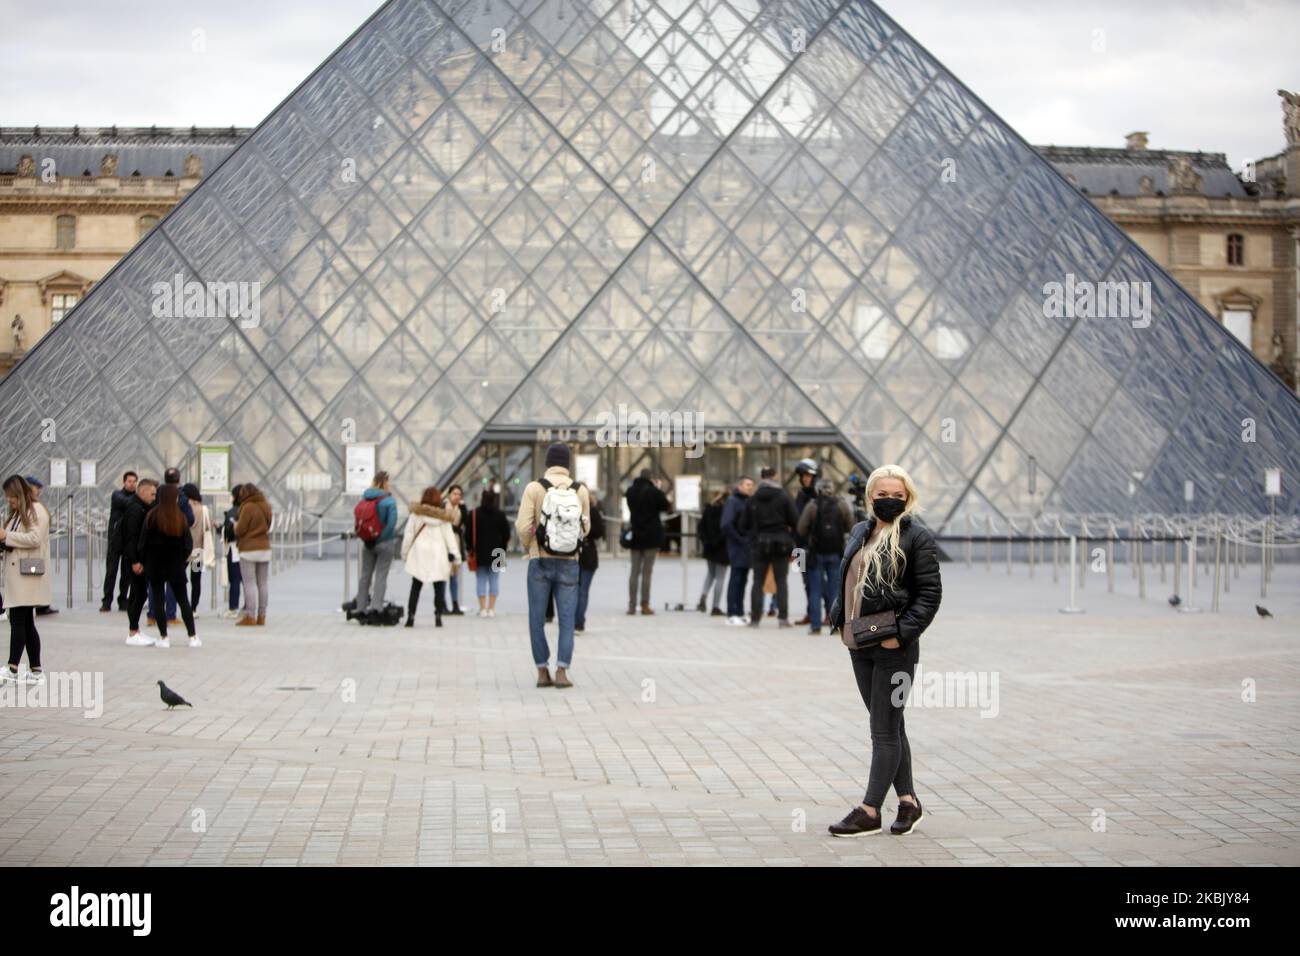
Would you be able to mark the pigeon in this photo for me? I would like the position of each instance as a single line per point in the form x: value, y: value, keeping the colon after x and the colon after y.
x: 1175, y: 600
x: 170, y: 697
x: 1263, y: 611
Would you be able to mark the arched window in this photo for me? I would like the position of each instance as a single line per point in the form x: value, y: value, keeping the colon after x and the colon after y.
x: 147, y: 223
x: 65, y: 232
x: 1236, y: 250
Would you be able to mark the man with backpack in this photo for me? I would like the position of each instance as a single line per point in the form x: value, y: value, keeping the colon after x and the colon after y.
x: 376, y: 528
x: 554, y: 519
x: 823, y: 524
x: 805, y: 472
x: 769, y: 517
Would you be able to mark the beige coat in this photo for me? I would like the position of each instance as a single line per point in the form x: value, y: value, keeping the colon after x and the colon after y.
x: 427, y: 542
x: 28, y: 590
x: 531, y: 505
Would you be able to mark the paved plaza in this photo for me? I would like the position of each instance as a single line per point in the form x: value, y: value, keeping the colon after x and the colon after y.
x: 1115, y: 737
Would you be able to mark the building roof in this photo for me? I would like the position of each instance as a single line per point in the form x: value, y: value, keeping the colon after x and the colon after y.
x: 1102, y: 171
x: 149, y: 150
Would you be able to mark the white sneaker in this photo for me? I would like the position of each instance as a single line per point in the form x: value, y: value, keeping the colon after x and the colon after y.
x: 162, y: 642
x: 8, y: 676
x: 735, y: 621
x: 492, y: 612
x: 139, y: 640
x: 37, y: 677
x: 230, y: 615
x: 195, y: 642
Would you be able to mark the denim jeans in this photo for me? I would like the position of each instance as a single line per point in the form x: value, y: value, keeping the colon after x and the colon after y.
x: 455, y: 589
x: 584, y: 591
x: 823, y: 585
x: 235, y: 578
x: 547, y: 577
x: 487, y: 581
x: 717, y: 577
x: 170, y: 601
x: 736, y: 591
x: 876, y: 669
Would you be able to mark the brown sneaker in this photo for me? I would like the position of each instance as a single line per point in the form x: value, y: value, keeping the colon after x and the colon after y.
x: 647, y: 609
x: 803, y: 620
x: 909, y: 815
x: 631, y: 609
x: 544, y: 678
x: 562, y: 678
x: 246, y: 621
x: 261, y: 619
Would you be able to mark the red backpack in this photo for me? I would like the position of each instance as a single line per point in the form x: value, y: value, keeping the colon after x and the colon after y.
x: 369, y: 525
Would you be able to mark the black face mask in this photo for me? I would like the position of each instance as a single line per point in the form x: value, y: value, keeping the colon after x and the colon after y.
x: 887, y: 509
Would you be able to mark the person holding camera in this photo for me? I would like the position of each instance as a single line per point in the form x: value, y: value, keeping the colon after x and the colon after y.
x: 889, y: 593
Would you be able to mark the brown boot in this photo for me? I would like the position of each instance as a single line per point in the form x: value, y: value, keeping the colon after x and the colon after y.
x: 647, y: 609
x: 631, y: 609
x: 261, y: 618
x: 246, y: 621
x: 562, y: 678
x: 544, y: 678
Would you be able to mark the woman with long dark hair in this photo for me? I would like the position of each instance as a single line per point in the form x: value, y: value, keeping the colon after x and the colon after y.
x: 165, y: 548
x: 25, y: 539
x: 889, y: 578
x: 489, y: 537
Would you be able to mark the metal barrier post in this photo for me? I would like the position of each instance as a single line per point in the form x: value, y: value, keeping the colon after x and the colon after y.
x: 90, y: 553
x: 72, y: 554
x: 1218, y: 544
x: 347, y: 566
x: 1187, y: 607
x: 1072, y: 608
x: 1110, y: 560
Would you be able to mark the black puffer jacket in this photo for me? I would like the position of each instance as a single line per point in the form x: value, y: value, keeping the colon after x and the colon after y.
x: 915, y: 596
x: 644, y: 503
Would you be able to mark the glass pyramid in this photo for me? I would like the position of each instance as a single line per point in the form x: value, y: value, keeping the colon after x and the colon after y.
x: 484, y: 212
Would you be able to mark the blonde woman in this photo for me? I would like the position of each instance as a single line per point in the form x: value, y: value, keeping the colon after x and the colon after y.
x: 890, y: 563
x: 25, y: 542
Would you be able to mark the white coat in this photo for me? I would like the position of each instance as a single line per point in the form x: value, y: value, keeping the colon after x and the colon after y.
x: 28, y: 590
x: 427, y: 542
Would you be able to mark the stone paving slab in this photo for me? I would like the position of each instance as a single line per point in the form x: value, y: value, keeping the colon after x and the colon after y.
x: 316, y: 742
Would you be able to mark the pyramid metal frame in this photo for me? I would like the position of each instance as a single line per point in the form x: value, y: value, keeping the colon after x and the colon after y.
x: 500, y: 257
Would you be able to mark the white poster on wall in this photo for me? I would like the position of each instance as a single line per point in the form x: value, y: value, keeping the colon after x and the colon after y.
x: 58, y: 472
x: 1272, y: 482
x: 587, y: 470
x: 88, y: 469
x: 686, y: 492
x: 360, y: 465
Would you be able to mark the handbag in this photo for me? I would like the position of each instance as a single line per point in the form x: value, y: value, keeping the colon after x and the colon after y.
x: 870, y: 629
x: 31, y: 566
x: 471, y: 559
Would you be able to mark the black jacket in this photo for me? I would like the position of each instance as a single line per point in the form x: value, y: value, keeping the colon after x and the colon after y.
x: 129, y: 530
x: 116, y: 512
x: 712, y: 540
x: 801, y: 500
x: 589, y: 556
x: 487, y: 529
x: 164, y: 557
x: 915, y: 596
x: 645, y: 502
x: 769, y: 512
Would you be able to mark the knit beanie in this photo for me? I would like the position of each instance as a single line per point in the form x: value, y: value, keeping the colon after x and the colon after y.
x: 557, y: 454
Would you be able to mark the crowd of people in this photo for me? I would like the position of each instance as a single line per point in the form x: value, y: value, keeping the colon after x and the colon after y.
x: 161, y: 537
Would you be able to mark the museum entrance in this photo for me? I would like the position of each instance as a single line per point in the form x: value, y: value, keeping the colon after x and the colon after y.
x: 517, y: 459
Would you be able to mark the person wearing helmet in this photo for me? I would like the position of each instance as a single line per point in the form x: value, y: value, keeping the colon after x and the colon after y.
x: 805, y: 472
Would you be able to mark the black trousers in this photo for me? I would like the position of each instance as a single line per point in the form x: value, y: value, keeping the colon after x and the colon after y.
x: 23, y: 637
x: 135, y: 603
x: 116, y: 571
x: 879, y: 673
x: 439, y: 597
x: 196, y: 589
x: 780, y: 569
x: 158, y: 595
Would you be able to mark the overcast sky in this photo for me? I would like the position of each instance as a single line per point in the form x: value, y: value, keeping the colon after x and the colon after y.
x: 1198, y: 74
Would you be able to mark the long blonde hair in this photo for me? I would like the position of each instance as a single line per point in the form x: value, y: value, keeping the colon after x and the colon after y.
x: 883, y: 561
